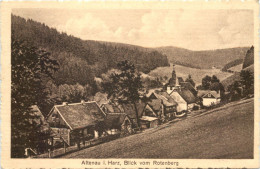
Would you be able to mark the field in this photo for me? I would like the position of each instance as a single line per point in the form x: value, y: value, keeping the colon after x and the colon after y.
x: 224, y: 133
x: 236, y: 68
x: 182, y: 71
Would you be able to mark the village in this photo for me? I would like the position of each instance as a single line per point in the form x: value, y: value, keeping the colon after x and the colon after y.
x: 79, y: 125
x: 126, y: 87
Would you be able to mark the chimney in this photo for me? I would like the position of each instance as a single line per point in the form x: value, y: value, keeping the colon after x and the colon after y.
x: 64, y: 103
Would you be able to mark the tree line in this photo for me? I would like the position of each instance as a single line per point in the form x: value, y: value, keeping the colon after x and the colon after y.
x: 97, y: 56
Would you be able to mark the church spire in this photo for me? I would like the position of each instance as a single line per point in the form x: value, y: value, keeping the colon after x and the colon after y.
x: 174, y: 75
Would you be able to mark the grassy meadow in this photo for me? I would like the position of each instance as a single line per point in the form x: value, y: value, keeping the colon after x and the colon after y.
x: 183, y: 71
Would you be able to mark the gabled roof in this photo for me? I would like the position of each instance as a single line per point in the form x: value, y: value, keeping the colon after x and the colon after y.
x: 115, y: 120
x: 80, y: 115
x: 202, y: 93
x: 165, y: 98
x: 155, y: 104
x: 188, y: 85
x: 149, y: 108
x: 187, y: 95
x: 128, y: 109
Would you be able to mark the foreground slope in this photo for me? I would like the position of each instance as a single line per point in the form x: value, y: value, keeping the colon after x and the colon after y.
x: 225, y: 133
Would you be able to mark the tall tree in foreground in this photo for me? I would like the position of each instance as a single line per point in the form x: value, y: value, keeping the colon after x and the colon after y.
x: 29, y: 67
x: 125, y: 86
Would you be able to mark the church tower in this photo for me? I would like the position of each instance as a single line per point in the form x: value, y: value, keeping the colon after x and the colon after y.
x: 172, y: 81
x: 174, y: 75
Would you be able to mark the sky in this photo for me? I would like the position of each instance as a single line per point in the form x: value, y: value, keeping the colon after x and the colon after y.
x: 186, y: 28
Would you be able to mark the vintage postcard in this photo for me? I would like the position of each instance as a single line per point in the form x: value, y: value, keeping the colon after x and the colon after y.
x: 130, y: 84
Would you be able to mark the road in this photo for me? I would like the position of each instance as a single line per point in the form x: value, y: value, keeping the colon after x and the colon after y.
x: 222, y: 134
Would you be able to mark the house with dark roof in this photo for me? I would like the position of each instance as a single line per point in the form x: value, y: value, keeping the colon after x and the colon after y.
x: 128, y: 115
x: 162, y: 105
x: 127, y: 109
x: 209, y: 97
x: 118, y: 122
x: 77, y: 122
x: 185, y: 99
x: 188, y: 85
x: 116, y: 119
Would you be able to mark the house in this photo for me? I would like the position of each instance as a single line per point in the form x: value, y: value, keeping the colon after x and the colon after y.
x: 118, y: 122
x: 188, y: 85
x: 116, y: 119
x: 209, y: 97
x: 184, y: 98
x: 77, y: 122
x: 149, y: 122
x: 162, y: 105
x: 127, y: 109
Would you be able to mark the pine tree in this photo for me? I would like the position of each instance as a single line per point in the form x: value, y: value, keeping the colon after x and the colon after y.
x: 29, y: 67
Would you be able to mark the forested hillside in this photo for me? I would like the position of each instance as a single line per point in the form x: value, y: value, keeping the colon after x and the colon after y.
x: 80, y: 61
x: 203, y: 59
x: 249, y: 59
x: 232, y: 64
x: 248, y: 65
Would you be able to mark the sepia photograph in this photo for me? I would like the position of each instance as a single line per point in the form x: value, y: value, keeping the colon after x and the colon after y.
x: 158, y: 84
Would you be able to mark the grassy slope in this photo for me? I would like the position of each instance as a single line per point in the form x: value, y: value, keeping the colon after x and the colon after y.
x: 226, y: 133
x: 196, y: 74
x: 236, y: 68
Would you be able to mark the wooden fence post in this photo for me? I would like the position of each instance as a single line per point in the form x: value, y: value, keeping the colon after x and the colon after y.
x: 49, y: 153
x: 83, y: 137
x: 65, y: 147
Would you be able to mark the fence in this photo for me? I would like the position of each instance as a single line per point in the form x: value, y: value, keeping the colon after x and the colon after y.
x: 66, y: 150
